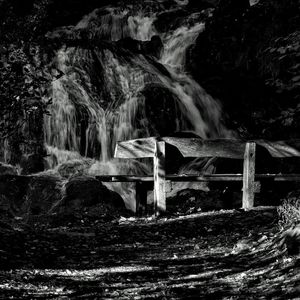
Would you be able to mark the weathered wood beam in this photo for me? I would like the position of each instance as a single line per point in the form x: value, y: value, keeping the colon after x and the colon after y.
x: 249, y: 176
x: 279, y: 177
x: 188, y: 147
x: 197, y: 178
x: 159, y: 174
x: 205, y: 177
x: 196, y: 147
x: 140, y: 148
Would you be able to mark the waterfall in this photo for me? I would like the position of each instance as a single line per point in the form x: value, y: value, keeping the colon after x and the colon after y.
x: 76, y: 101
x: 100, y: 98
x: 203, y: 112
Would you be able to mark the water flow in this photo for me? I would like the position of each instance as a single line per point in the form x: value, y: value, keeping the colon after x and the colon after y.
x: 116, y: 24
x: 73, y: 104
x: 77, y: 102
x: 203, y: 112
x: 90, y: 120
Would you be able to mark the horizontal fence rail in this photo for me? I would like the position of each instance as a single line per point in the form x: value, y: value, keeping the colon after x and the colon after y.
x: 157, y: 149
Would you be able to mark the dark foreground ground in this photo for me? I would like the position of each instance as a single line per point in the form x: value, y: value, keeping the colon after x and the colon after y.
x: 221, y: 255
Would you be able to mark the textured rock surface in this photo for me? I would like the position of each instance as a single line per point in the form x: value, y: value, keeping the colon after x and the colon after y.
x: 33, y: 163
x: 247, y: 57
x: 74, y: 167
x: 84, y: 191
x: 22, y: 195
x: 46, y: 194
x: 6, y: 169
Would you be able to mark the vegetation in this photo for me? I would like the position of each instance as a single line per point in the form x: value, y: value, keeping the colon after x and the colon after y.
x: 251, y: 63
x: 289, y: 212
x: 24, y: 97
x: 23, y: 88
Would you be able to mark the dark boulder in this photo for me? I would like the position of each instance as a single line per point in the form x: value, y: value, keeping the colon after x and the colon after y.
x: 166, y: 21
x: 47, y: 194
x: 13, y: 189
x: 161, y: 110
x: 87, y: 191
x: 203, y: 4
x: 230, y: 6
x: 33, y: 163
x: 130, y: 44
x: 74, y: 167
x: 247, y: 62
x: 23, y: 195
x: 153, y: 47
x: 60, y: 14
x: 43, y: 193
x: 6, y: 169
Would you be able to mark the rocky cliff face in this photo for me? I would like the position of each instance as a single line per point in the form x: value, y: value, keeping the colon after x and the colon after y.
x: 248, y: 57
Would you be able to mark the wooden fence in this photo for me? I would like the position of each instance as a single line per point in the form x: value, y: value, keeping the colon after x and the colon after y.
x: 155, y: 148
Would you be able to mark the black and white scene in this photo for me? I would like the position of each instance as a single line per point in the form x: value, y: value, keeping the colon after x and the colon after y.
x: 150, y: 149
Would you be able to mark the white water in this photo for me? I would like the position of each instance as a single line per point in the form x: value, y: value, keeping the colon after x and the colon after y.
x: 118, y: 24
x: 192, y: 96
x: 76, y: 98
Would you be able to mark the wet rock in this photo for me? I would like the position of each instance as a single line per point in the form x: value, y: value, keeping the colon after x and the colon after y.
x: 33, y: 163
x: 87, y: 191
x: 83, y: 191
x: 62, y: 34
x: 130, y: 44
x: 6, y: 169
x: 60, y: 14
x: 13, y: 189
x: 153, y: 47
x: 43, y: 193
x: 161, y: 110
x: 74, y: 167
x: 169, y: 20
x: 203, y: 4
x: 20, y: 195
x: 229, y: 6
x: 242, y: 66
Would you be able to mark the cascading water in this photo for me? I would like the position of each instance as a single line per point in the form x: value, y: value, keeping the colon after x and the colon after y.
x: 203, y: 112
x: 99, y: 100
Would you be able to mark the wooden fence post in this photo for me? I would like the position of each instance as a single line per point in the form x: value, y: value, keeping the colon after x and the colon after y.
x: 138, y: 192
x: 159, y: 174
x: 141, y: 189
x: 249, y: 175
